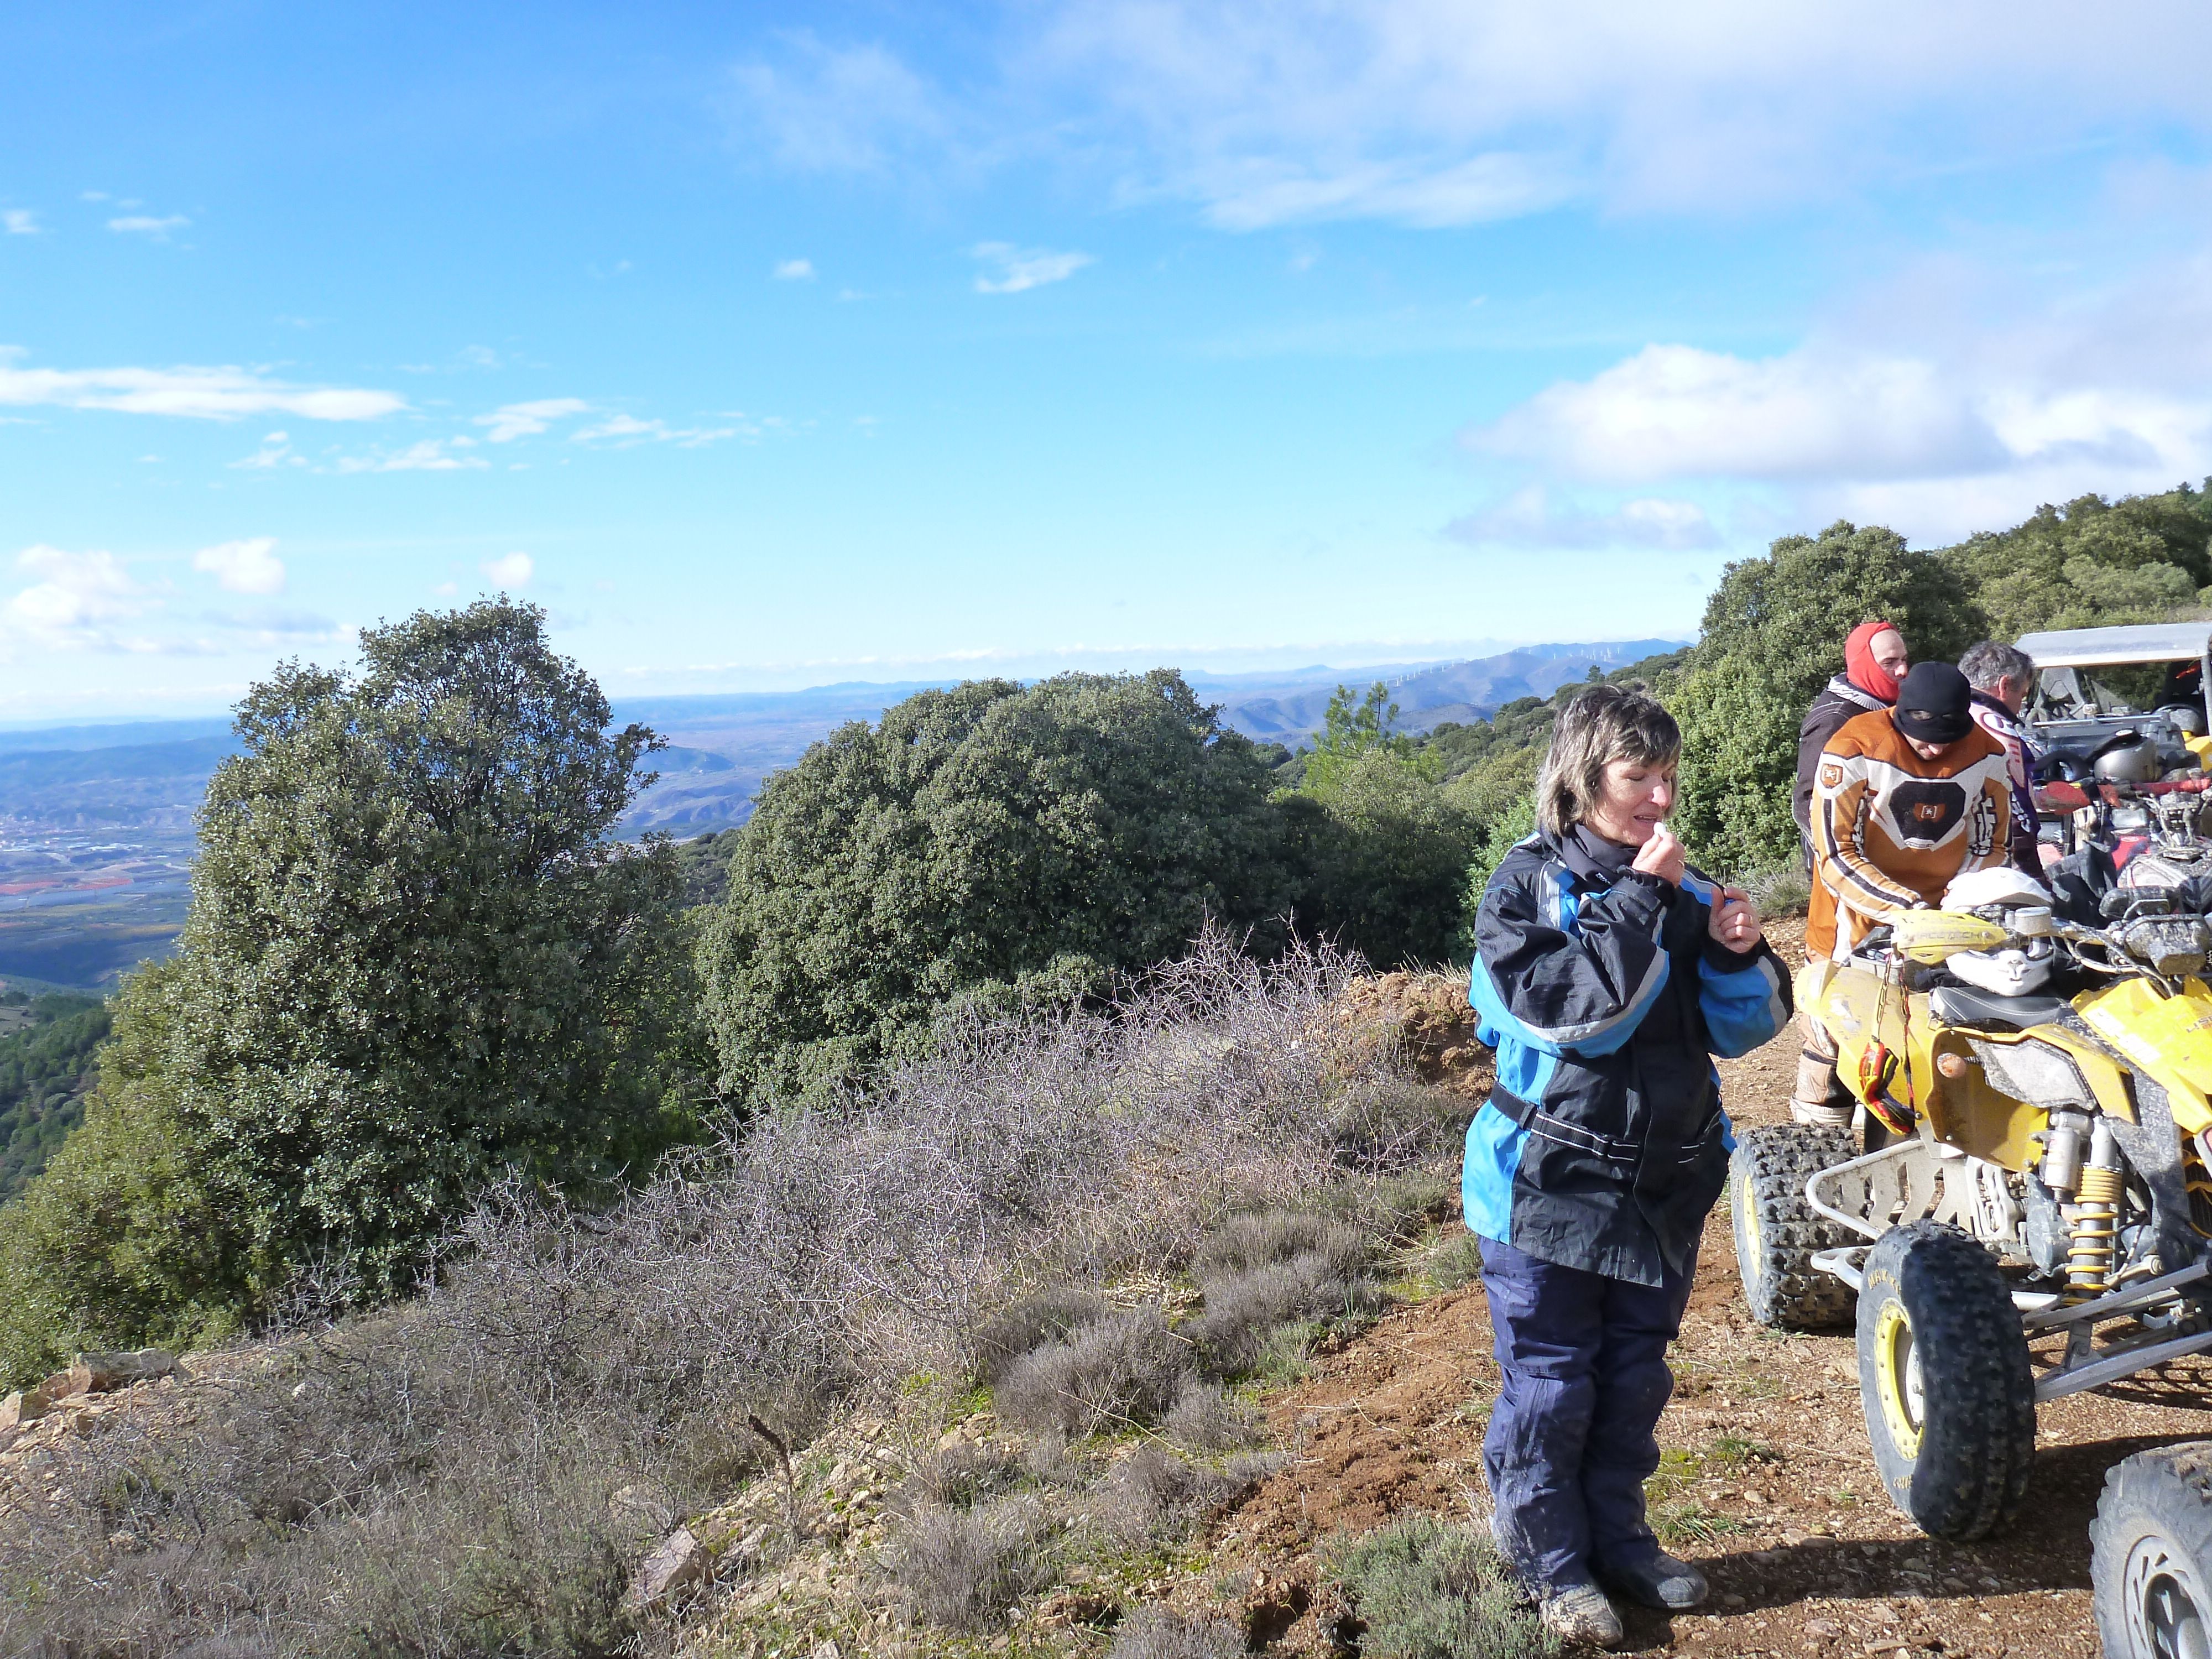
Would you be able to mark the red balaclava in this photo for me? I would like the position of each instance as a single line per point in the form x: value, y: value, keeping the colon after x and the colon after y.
x: 1859, y: 665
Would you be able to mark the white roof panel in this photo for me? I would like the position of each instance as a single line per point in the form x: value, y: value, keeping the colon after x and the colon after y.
x: 2090, y: 647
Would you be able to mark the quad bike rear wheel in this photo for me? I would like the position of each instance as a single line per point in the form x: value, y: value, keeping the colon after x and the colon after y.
x: 1945, y: 1381
x: 2150, y: 1564
x: 1777, y: 1229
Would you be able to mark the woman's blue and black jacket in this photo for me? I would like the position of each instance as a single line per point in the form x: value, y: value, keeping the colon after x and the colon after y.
x: 1603, y: 1145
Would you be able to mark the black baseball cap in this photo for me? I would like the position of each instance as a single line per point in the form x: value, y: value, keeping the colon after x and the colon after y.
x: 1934, y: 704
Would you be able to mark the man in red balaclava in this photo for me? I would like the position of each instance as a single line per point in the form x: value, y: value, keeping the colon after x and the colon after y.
x: 1874, y: 661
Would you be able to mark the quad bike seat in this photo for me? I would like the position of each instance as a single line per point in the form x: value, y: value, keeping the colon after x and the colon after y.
x: 1969, y: 1005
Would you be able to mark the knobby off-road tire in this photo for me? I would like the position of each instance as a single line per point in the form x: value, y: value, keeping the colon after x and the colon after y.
x: 2150, y: 1563
x: 1945, y: 1382
x: 1777, y: 1230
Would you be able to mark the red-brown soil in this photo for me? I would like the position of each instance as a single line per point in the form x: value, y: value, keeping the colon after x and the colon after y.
x: 1806, y: 1554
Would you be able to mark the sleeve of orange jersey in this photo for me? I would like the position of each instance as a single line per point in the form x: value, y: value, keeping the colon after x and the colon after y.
x: 1838, y: 845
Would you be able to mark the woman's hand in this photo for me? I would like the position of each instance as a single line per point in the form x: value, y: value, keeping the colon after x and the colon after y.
x: 1661, y: 856
x: 1734, y: 922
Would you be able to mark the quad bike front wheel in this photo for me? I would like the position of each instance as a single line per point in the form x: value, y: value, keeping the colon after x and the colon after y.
x: 1945, y: 1381
x: 2150, y: 1564
x: 1778, y: 1229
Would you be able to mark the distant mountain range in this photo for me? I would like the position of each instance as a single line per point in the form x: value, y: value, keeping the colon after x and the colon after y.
x: 1289, y: 707
x: 96, y: 821
x: 149, y: 774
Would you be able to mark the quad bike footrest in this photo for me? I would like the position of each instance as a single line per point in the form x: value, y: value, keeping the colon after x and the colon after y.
x: 1847, y: 1262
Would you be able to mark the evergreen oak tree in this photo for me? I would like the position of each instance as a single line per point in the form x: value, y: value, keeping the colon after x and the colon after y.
x: 991, y: 845
x: 414, y: 958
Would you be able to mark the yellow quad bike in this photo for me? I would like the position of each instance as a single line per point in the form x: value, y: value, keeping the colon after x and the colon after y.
x: 2034, y: 1220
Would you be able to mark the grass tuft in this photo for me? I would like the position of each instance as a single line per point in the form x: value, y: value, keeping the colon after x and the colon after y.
x: 1153, y: 1632
x: 1207, y: 1419
x: 1245, y: 1307
x: 1030, y: 1323
x: 1122, y: 1371
x: 964, y: 1569
x: 1427, y: 1589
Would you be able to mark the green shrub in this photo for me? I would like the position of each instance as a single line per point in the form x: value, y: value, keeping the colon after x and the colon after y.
x: 1739, y: 767
x: 414, y: 958
x: 1785, y: 891
x: 1153, y: 1632
x: 991, y: 847
x: 963, y: 1567
x: 1381, y: 846
x: 1427, y: 1589
x: 1512, y: 827
x: 1122, y: 1372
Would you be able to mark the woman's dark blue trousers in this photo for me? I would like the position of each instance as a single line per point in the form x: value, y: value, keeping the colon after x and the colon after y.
x: 1582, y: 1359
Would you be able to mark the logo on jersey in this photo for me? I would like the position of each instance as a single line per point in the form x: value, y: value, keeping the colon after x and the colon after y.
x: 1927, y: 810
x: 1831, y: 775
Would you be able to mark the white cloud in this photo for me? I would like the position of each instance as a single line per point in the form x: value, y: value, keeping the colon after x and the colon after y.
x: 1826, y: 413
x: 1271, y: 113
x: 1497, y: 185
x: 20, y: 221
x: 1456, y: 112
x: 824, y: 109
x: 1675, y: 411
x: 140, y: 224
x: 244, y: 567
x: 216, y: 394
x: 276, y: 450
x: 626, y: 431
x: 513, y: 421
x: 1528, y: 518
x: 795, y: 270
x: 427, y: 456
x: 510, y: 570
x: 1019, y: 269
x: 72, y: 604
x: 269, y: 629
x: 1943, y: 404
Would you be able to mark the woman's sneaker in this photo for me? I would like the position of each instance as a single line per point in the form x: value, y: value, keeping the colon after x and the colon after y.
x: 1659, y: 1580
x: 1579, y: 1612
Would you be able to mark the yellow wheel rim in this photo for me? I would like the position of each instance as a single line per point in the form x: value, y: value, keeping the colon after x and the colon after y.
x: 1749, y: 1202
x: 1897, y: 1380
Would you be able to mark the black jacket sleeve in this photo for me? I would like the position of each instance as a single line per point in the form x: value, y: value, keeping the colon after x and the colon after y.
x: 1822, y: 720
x: 1555, y: 990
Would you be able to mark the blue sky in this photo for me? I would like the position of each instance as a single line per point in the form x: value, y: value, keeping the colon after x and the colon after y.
x: 771, y: 346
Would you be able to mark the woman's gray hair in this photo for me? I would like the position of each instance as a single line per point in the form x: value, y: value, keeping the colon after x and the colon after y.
x: 1605, y: 723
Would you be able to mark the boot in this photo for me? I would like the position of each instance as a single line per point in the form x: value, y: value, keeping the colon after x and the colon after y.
x: 1820, y: 1113
x: 1662, y: 1581
x: 1579, y: 1612
x: 1818, y: 1100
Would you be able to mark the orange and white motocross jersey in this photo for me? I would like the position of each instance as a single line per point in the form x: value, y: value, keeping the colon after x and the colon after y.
x: 1891, y: 830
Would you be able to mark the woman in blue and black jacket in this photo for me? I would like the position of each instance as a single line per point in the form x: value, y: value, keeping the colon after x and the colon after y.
x: 1607, y: 975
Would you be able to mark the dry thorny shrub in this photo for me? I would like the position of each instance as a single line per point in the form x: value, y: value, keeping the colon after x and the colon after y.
x: 436, y: 1479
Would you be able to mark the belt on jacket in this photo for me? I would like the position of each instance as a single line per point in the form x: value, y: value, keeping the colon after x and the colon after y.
x: 1535, y: 1119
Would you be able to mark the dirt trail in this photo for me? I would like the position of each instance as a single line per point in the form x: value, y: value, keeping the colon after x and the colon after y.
x: 1768, y: 1482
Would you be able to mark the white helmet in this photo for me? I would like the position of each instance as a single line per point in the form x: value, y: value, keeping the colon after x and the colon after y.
x: 2022, y: 905
x: 1999, y: 886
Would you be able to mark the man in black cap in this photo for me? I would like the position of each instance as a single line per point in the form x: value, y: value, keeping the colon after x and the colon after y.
x: 1905, y: 800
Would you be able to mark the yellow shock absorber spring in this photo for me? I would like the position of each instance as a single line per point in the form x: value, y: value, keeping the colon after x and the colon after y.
x: 2198, y: 1178
x: 2093, y: 1244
